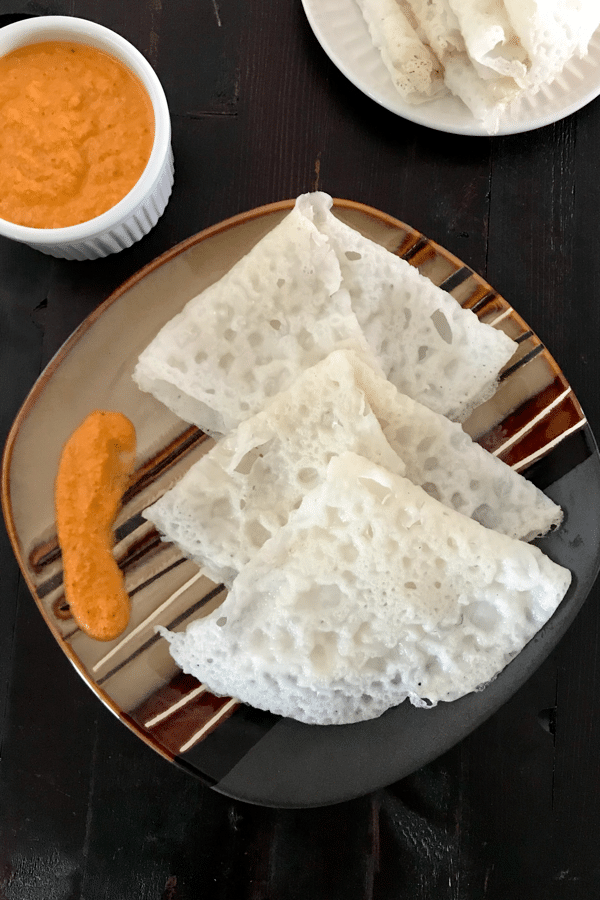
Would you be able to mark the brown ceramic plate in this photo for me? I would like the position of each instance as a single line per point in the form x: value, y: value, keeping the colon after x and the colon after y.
x: 534, y: 423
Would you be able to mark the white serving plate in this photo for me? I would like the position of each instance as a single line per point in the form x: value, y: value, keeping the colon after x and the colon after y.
x: 342, y: 32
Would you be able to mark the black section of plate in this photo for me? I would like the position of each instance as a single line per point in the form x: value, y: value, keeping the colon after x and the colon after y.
x: 523, y: 337
x: 49, y: 585
x: 215, y: 756
x: 483, y: 301
x: 419, y: 245
x: 506, y: 373
x: 130, y: 526
x: 456, y: 278
x: 567, y: 455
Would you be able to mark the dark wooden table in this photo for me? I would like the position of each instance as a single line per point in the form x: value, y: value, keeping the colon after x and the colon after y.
x: 86, y: 809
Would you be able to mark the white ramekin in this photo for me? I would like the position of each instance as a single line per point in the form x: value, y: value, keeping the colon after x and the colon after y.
x: 133, y: 216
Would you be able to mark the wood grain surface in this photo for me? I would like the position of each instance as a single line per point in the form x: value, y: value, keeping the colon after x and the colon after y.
x: 86, y: 810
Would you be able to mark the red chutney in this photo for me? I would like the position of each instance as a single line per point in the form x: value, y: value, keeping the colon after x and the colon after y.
x: 95, y: 466
x: 76, y: 133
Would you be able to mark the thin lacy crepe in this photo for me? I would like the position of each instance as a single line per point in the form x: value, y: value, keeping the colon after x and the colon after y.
x: 486, y: 52
x: 313, y: 285
x: 240, y: 493
x: 371, y: 593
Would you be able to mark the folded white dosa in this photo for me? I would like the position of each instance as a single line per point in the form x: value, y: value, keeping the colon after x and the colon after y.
x: 429, y: 347
x: 371, y: 593
x: 238, y: 495
x: 310, y: 286
x: 276, y: 312
x: 490, y: 37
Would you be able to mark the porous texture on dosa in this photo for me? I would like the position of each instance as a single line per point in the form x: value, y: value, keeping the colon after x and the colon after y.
x: 310, y: 286
x: 489, y: 52
x: 372, y: 593
x: 243, y: 490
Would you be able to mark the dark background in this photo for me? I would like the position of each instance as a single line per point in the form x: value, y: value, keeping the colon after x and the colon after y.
x: 260, y: 114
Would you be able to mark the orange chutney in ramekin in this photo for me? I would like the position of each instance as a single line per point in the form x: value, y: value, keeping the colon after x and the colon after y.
x: 76, y: 133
